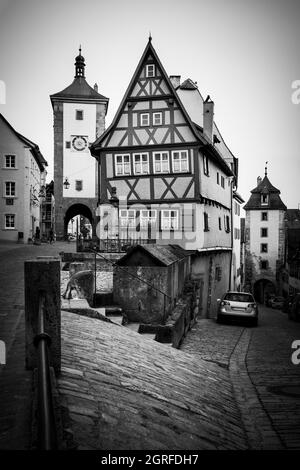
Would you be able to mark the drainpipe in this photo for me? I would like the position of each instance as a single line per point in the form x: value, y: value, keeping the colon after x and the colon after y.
x: 231, y: 237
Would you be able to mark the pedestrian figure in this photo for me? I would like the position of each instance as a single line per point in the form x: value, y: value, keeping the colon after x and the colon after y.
x: 51, y: 236
x: 37, y: 233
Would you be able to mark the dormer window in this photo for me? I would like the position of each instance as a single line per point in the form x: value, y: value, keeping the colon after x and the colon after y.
x: 150, y: 70
x: 264, y: 199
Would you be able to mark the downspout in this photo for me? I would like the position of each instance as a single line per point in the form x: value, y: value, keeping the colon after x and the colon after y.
x: 231, y: 236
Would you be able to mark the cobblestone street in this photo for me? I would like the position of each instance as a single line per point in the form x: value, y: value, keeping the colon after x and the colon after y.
x: 240, y: 380
x: 265, y: 382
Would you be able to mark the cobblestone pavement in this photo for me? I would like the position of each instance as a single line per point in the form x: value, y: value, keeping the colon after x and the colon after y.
x: 15, y: 381
x: 123, y: 391
x: 265, y: 382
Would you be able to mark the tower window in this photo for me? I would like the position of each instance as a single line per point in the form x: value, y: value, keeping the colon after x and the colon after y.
x: 264, y: 232
x: 150, y: 70
x: 79, y: 115
x: 68, y: 144
x: 264, y: 248
x: 264, y: 199
x: 264, y: 264
x: 264, y: 216
x: 78, y: 185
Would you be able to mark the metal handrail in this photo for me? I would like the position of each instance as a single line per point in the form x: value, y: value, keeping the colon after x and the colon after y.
x: 47, y: 438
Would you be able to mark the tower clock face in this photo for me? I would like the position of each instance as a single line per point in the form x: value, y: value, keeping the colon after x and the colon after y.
x: 79, y: 143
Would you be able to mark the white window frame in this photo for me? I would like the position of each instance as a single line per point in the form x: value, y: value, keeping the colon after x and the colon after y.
x: 169, y: 221
x: 147, y: 216
x: 6, y: 156
x: 147, y: 116
x: 159, y: 116
x: 160, y: 161
x: 14, y: 221
x: 127, y: 220
x: 180, y: 160
x: 122, y: 164
x: 264, y: 203
x: 6, y: 194
x: 150, y: 70
x: 144, y: 166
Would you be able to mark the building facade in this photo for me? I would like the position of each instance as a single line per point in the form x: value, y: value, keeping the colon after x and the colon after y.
x: 166, y: 175
x: 236, y: 270
x: 264, y: 240
x: 79, y: 118
x: 23, y: 179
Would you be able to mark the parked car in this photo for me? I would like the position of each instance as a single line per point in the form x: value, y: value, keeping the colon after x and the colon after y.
x: 294, y: 312
x: 277, y: 302
x: 237, y: 306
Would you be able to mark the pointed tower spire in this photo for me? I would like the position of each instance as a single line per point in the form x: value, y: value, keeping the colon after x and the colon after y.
x: 79, y: 65
x: 266, y: 169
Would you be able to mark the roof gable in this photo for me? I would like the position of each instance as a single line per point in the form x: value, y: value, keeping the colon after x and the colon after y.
x: 158, y: 255
x: 142, y: 87
x: 265, y: 187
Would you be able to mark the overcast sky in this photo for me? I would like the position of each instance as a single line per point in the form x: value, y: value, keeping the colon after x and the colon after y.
x: 245, y: 54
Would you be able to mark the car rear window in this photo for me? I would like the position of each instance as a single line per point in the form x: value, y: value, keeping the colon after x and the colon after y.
x: 236, y: 297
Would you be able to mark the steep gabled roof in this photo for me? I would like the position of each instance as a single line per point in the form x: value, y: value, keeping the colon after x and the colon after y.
x: 162, y: 255
x: 34, y: 148
x: 78, y: 90
x: 265, y: 187
x: 149, y: 50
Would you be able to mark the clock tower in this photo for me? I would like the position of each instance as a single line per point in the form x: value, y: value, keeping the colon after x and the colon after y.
x: 79, y: 119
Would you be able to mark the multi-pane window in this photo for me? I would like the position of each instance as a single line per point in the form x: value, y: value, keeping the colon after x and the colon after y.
x: 157, y: 119
x: 127, y: 218
x: 10, y: 189
x: 169, y: 219
x: 79, y: 114
x: 205, y: 165
x: 10, y: 161
x: 144, y: 119
x: 161, y: 162
x: 263, y: 232
x: 122, y: 164
x: 264, y: 216
x: 147, y: 217
x: 10, y: 221
x: 78, y: 185
x: 150, y: 70
x: 141, y: 163
x: 180, y: 161
x: 264, y: 199
x: 264, y: 248
x: 206, y: 223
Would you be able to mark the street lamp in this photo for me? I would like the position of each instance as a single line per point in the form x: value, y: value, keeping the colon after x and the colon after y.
x: 66, y: 183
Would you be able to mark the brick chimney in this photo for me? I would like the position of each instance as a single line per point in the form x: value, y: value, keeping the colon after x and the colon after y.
x: 258, y: 180
x: 96, y: 87
x: 175, y: 80
x: 208, y: 118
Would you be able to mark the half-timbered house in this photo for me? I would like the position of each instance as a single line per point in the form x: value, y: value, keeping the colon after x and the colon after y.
x: 165, y: 173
